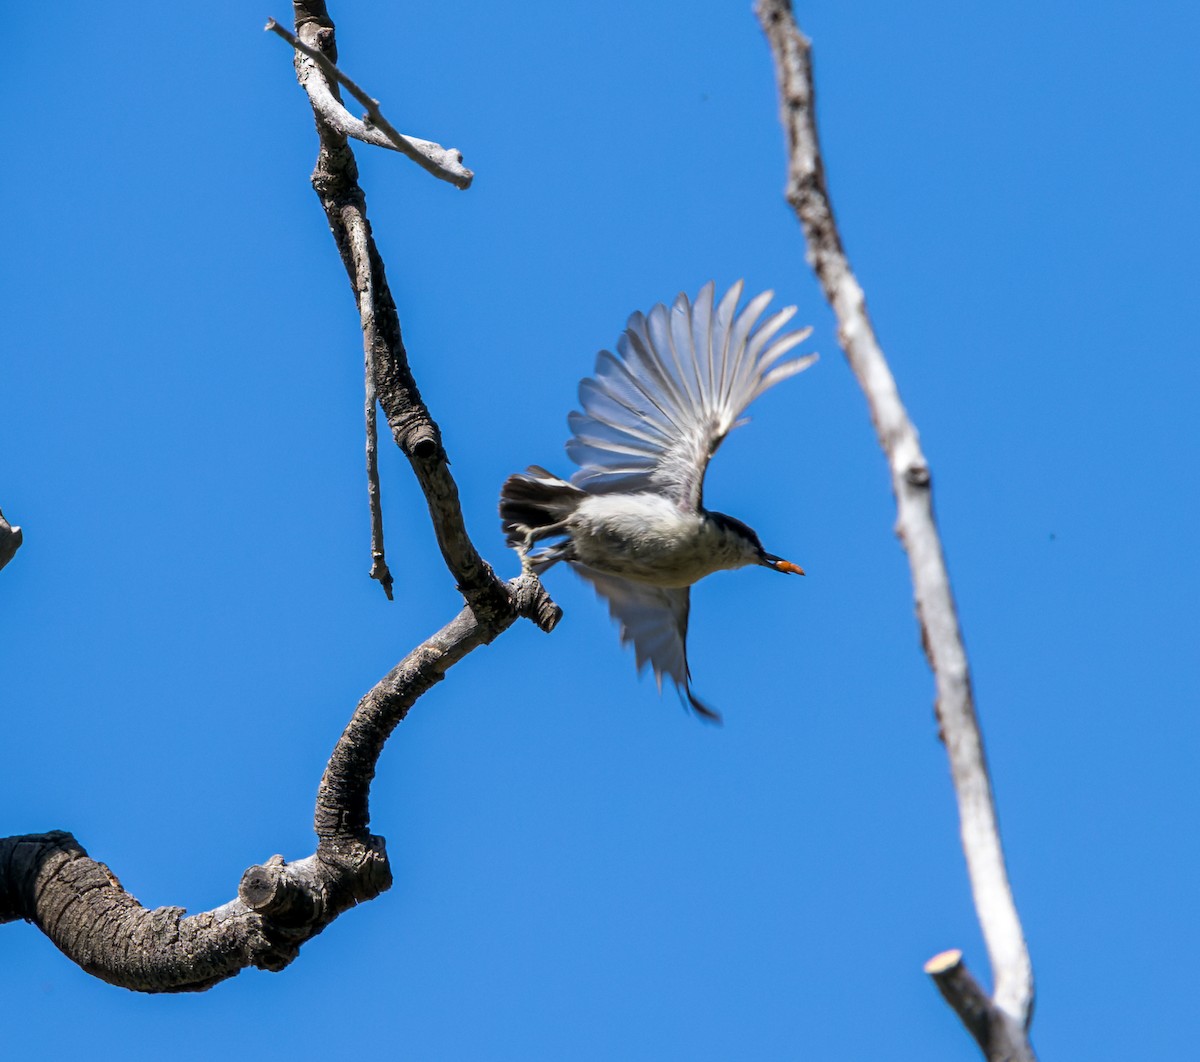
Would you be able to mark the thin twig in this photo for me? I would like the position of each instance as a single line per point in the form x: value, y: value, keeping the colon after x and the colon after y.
x: 444, y: 163
x: 366, y: 309
x: 915, y: 525
x: 10, y: 540
x: 379, y: 567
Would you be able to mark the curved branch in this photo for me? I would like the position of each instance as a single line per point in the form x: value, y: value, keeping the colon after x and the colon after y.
x: 809, y: 197
x: 10, y: 540
x: 315, y: 76
x: 49, y: 879
x: 342, y: 813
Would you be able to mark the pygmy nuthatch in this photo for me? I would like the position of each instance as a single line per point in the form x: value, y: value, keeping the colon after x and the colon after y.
x: 631, y: 521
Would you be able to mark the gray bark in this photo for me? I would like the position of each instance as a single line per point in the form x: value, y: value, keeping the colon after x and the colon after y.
x: 51, y: 881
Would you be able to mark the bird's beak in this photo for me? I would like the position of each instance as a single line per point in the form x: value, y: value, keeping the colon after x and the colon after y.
x: 769, y: 560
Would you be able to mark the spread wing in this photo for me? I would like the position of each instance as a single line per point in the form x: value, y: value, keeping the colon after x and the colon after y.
x: 656, y: 411
x: 655, y: 619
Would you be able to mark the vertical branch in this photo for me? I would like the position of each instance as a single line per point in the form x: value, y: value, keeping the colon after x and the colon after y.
x: 366, y: 310
x: 1010, y: 1009
x: 379, y: 568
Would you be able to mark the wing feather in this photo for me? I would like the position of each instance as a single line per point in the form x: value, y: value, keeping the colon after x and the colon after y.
x: 652, y: 372
x: 654, y: 413
x: 783, y: 372
x: 723, y: 331
x: 604, y: 408
x: 638, y: 330
x: 701, y: 332
x: 642, y: 398
x: 615, y: 442
x: 781, y: 346
x: 742, y: 327
x: 655, y: 620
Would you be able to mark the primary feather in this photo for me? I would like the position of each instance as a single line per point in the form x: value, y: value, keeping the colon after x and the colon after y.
x: 655, y: 412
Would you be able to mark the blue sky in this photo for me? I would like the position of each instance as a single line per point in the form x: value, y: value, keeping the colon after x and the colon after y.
x: 582, y: 870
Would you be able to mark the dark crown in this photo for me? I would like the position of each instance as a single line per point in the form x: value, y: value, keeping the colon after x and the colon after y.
x: 735, y: 526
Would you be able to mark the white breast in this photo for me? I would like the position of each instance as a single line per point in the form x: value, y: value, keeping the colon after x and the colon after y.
x: 649, y: 539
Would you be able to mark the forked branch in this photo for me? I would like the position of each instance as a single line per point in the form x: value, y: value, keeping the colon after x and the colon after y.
x: 1007, y: 1014
x: 374, y: 128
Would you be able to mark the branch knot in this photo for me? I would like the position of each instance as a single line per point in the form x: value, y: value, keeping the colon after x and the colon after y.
x: 918, y: 476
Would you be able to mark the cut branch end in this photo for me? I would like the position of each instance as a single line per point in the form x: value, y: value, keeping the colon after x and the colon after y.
x: 943, y: 961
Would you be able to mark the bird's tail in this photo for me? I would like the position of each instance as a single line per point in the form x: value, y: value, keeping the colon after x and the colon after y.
x: 534, y: 505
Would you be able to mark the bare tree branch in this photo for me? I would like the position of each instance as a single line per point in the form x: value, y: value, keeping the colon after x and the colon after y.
x: 379, y: 568
x: 335, y: 180
x: 364, y: 284
x: 10, y: 540
x: 317, y: 74
x: 1001, y: 1038
x: 50, y: 880
x: 342, y: 813
x: 809, y: 197
x: 444, y: 163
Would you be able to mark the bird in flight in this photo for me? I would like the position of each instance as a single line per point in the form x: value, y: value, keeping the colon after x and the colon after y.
x: 631, y: 520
